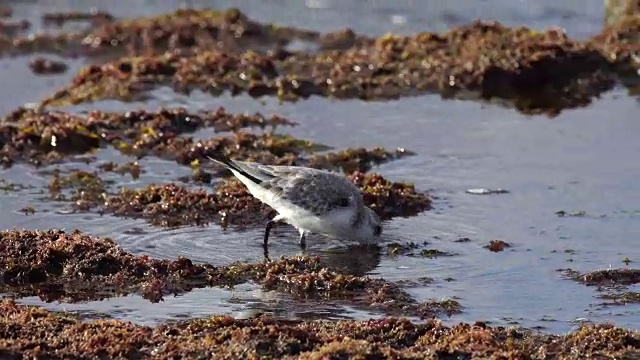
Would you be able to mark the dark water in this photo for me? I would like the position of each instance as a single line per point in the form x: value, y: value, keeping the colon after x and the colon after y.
x: 583, y: 160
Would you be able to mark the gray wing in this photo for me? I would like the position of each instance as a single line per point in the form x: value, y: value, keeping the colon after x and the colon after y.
x: 315, y: 190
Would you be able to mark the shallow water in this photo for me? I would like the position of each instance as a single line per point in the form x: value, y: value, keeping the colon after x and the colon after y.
x: 585, y: 159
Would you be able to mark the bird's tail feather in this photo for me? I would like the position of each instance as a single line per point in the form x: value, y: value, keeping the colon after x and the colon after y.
x: 221, y: 159
x: 225, y: 161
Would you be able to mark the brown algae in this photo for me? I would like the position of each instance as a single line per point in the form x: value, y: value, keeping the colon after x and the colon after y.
x: 37, y: 333
x: 43, y: 66
x: 56, y: 265
x: 536, y: 71
x: 612, y: 285
x: 39, y: 136
x: 497, y: 245
x: 172, y: 205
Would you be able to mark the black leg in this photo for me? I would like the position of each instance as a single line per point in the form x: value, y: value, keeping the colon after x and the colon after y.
x: 267, y: 231
x: 265, y: 246
x: 303, y: 242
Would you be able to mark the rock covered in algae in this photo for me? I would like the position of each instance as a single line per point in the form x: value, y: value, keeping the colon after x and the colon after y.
x: 65, y: 264
x: 620, y: 298
x: 43, y: 66
x: 390, y: 198
x: 624, y: 276
x: 537, y: 71
x: 39, y: 136
x: 87, y: 189
x: 132, y: 168
x: 619, y: 43
x: 357, y: 159
x: 215, y: 51
x: 56, y: 265
x: 267, y: 148
x: 37, y: 333
x: 617, y: 11
x: 182, y: 29
x: 60, y: 18
x: 614, y: 286
x: 228, y: 29
x: 173, y: 205
x: 608, y: 277
x: 347, y: 160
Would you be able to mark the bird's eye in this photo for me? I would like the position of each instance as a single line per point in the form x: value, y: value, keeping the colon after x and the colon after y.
x: 377, y: 230
x: 344, y: 202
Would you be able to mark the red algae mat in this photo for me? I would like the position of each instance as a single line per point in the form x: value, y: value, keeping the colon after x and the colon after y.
x: 36, y: 333
x: 217, y: 51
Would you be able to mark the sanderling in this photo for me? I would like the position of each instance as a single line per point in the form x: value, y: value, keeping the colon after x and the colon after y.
x: 311, y: 200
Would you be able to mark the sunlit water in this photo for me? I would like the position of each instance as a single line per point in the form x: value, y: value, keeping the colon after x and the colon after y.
x: 583, y: 160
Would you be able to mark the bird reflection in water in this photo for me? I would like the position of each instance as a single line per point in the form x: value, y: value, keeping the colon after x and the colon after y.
x: 357, y: 260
